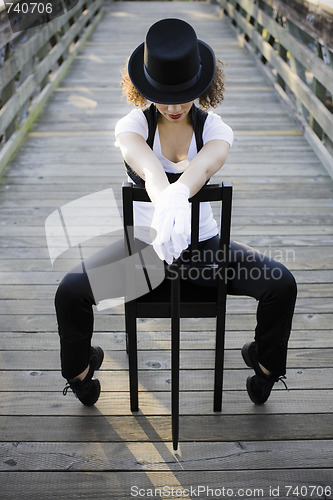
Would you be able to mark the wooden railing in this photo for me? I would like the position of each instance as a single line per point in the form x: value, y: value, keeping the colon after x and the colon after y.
x: 32, y: 63
x: 294, y: 41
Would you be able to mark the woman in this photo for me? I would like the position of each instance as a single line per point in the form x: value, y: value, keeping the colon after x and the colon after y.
x: 164, y: 151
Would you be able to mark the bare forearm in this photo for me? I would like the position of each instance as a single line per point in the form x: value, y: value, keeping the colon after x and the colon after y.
x: 144, y: 162
x: 194, y: 178
x: 156, y: 181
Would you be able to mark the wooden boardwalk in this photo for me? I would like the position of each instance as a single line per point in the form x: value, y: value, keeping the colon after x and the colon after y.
x: 54, y: 448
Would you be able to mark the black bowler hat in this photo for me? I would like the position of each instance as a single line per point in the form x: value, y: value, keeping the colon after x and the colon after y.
x: 172, y: 66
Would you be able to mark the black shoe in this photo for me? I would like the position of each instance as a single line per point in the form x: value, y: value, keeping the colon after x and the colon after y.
x: 260, y: 385
x: 96, y: 358
x: 249, y: 353
x: 88, y: 389
x: 259, y: 389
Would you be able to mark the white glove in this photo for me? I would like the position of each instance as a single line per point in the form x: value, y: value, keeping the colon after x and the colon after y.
x: 165, y: 251
x: 171, y: 249
x: 172, y: 222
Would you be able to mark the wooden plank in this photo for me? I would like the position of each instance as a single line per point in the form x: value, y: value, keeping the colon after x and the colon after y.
x: 292, y: 257
x: 190, y: 340
x: 36, y: 323
x: 240, y: 208
x: 153, y: 483
x: 248, y: 140
x: 159, y: 380
x: 262, y: 241
x: 235, y: 304
x: 240, y: 455
x: 271, y: 224
x: 34, y: 292
x: 156, y: 359
x: 58, y: 196
x: 263, y: 229
x: 145, y: 428
x: 241, y: 199
x: 158, y: 403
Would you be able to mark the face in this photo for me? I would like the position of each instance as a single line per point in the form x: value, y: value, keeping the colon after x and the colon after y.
x: 174, y: 112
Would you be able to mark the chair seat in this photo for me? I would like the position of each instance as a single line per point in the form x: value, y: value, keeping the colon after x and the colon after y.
x: 195, y: 301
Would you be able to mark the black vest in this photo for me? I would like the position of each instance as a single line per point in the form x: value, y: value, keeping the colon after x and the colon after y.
x: 198, y: 120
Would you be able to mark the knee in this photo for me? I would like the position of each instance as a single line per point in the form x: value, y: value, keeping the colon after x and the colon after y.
x: 284, y: 283
x: 71, y: 291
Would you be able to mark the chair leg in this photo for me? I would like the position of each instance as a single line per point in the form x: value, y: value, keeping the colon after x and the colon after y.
x: 175, y: 385
x: 132, y: 349
x: 175, y: 332
x: 126, y: 342
x: 219, y: 358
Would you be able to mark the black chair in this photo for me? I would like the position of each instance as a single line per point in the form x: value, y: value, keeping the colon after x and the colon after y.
x: 176, y: 298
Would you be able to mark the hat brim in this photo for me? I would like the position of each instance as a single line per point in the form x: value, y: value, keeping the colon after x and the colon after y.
x: 140, y: 82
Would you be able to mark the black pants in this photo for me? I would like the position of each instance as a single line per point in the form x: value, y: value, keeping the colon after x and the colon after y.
x: 250, y: 273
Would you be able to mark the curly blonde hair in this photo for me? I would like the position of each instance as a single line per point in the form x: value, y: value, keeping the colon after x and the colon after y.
x: 213, y: 96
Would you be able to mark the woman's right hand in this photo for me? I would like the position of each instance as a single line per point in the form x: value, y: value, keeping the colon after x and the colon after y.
x: 172, y: 222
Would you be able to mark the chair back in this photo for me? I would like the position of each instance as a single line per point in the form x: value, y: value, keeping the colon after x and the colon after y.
x: 208, y: 193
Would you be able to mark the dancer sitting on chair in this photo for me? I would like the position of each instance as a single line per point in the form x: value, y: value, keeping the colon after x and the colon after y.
x: 173, y: 147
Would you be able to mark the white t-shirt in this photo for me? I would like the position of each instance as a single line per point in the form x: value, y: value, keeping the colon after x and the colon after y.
x: 214, y: 128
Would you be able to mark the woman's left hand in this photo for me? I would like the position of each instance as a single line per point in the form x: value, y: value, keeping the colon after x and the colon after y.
x: 172, y: 222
